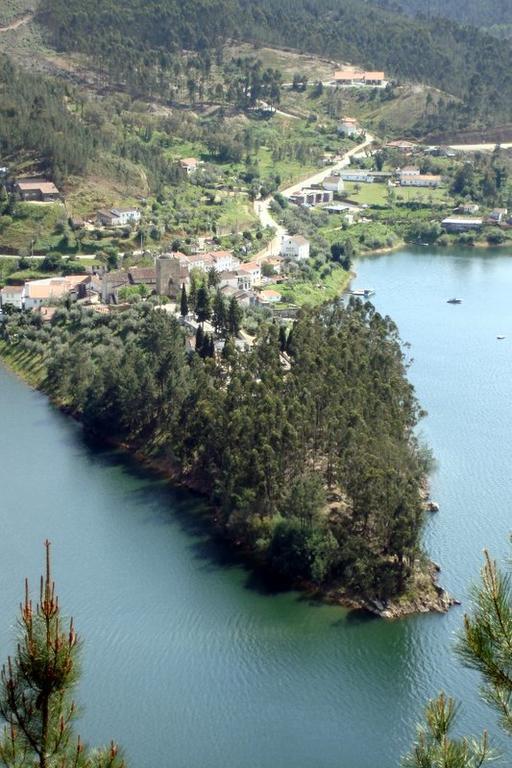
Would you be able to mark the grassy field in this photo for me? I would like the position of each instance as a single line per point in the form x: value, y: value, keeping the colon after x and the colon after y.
x: 314, y: 293
x: 32, y: 224
x: 377, y: 194
x: 289, y: 62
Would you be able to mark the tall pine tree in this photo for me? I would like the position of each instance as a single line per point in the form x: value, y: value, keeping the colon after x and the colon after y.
x: 35, y: 691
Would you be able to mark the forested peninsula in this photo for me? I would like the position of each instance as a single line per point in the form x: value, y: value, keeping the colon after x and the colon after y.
x: 304, y: 445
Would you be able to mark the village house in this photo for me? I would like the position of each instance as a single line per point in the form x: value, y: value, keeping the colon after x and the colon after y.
x: 275, y: 264
x: 402, y: 145
x: 333, y: 184
x: 409, y: 170
x: 223, y: 260
x: 111, y: 283
x: 249, y: 275
x: 189, y: 165
x: 39, y: 292
x: 498, y: 215
x: 269, y: 296
x: 118, y: 217
x: 142, y: 276
x: 357, y: 79
x: 11, y: 295
x: 37, y: 190
x: 356, y: 175
x: 421, y: 180
x: 468, y: 208
x: 454, y: 224
x: 295, y: 247
x: 349, y: 126
x: 312, y: 197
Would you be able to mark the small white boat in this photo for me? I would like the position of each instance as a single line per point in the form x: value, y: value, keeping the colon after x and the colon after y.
x: 500, y: 338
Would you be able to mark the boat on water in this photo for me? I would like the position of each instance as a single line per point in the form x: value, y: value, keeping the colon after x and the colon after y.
x: 500, y: 338
x: 454, y: 301
x: 362, y: 292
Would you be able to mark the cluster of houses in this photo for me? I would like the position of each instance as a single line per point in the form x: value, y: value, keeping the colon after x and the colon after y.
x: 245, y: 281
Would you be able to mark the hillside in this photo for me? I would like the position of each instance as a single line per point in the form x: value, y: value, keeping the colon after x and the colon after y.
x: 480, y: 13
x: 141, y: 43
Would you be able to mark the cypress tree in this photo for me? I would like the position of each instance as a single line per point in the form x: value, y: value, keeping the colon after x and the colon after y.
x: 283, y: 338
x: 183, y: 301
x: 203, y: 308
x: 199, y: 339
x: 35, y: 690
x: 234, y: 317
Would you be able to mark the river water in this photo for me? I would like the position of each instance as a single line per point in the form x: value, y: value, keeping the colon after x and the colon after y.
x: 188, y: 662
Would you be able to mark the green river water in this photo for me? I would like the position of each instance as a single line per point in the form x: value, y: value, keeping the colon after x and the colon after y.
x: 188, y: 661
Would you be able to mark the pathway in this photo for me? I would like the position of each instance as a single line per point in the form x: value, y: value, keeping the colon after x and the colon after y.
x: 17, y: 23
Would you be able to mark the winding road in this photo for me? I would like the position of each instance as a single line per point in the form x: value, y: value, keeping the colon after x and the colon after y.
x: 262, y: 207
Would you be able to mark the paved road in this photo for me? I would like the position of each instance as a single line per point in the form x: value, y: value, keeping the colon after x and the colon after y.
x: 262, y: 207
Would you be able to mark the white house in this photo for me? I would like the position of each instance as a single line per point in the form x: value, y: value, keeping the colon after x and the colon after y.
x: 409, y: 170
x: 118, y: 217
x: 421, y: 180
x: 269, y: 297
x: 333, y: 184
x: 223, y: 261
x: 295, y: 247
x: 189, y: 165
x: 349, y: 127
x: 356, y: 175
x: 12, y: 295
x: 249, y: 275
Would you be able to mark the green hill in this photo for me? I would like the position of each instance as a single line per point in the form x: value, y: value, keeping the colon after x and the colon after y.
x: 132, y: 38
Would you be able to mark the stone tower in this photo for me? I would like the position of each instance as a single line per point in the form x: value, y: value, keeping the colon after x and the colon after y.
x: 172, y: 271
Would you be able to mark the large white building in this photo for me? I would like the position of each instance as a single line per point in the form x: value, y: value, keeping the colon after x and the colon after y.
x: 295, y: 247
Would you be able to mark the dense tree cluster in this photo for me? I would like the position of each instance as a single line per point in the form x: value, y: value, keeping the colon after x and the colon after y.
x: 480, y: 13
x: 34, y: 118
x: 304, y: 443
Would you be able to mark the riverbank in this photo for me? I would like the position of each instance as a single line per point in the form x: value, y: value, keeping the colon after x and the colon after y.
x: 423, y: 594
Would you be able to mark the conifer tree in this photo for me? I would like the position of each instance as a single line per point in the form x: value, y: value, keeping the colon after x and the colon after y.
x: 219, y: 312
x: 35, y: 691
x: 486, y: 646
x: 183, y: 301
x: 203, y: 308
x: 283, y: 338
x: 199, y: 339
x: 234, y: 317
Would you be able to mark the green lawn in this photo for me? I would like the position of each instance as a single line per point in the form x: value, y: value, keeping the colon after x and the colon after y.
x: 377, y: 194
x: 317, y: 292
